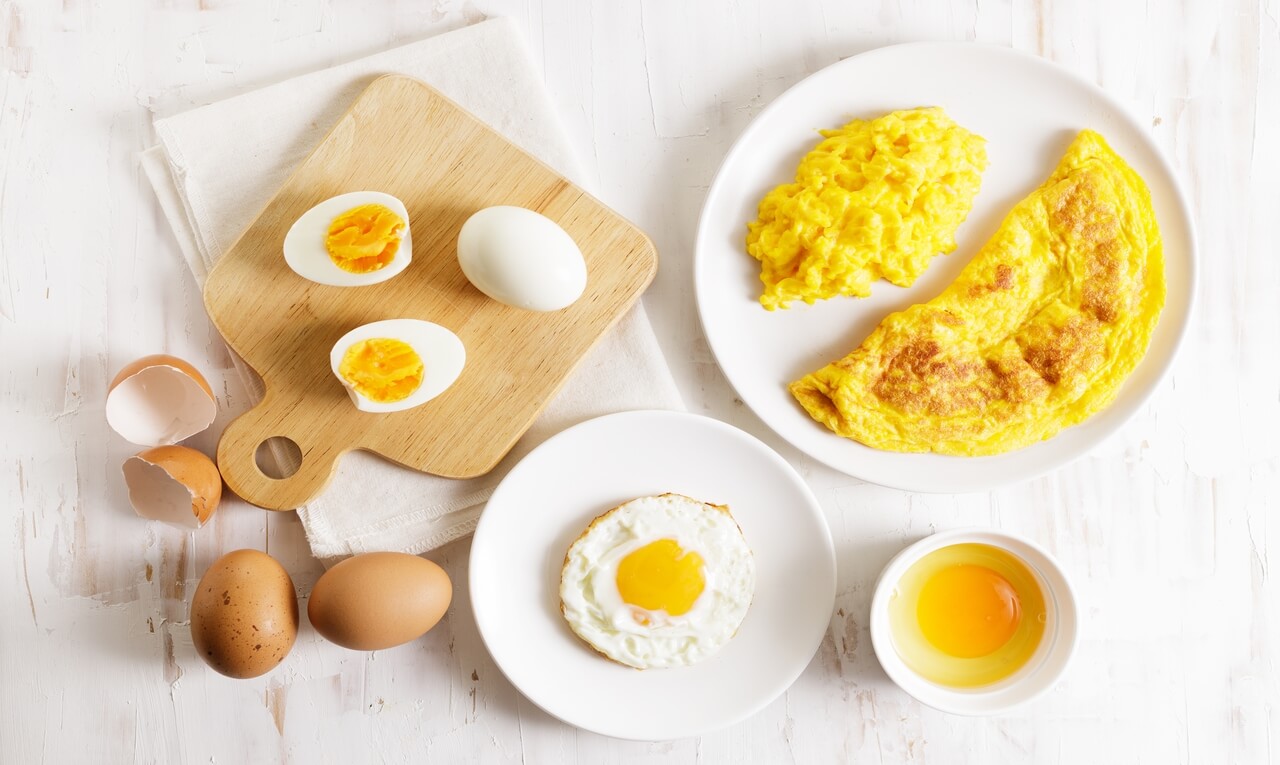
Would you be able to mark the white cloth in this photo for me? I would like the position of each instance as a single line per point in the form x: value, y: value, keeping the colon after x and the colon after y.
x: 217, y: 166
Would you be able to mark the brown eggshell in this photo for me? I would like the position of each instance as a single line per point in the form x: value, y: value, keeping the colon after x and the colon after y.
x: 379, y: 600
x: 244, y: 616
x: 173, y: 484
x: 159, y: 400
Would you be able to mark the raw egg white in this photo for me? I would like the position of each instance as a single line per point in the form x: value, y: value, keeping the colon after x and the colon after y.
x: 307, y: 246
x: 397, y: 364
x: 521, y: 258
x: 967, y: 615
x: 658, y: 582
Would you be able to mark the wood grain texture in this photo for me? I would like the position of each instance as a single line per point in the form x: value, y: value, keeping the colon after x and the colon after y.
x: 1167, y: 529
x: 404, y: 138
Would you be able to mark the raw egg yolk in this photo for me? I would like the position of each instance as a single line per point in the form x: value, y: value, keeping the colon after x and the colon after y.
x: 382, y: 369
x: 661, y: 577
x: 968, y: 611
x: 364, y: 238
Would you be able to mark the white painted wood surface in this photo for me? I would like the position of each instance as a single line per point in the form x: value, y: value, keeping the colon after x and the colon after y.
x: 1166, y: 529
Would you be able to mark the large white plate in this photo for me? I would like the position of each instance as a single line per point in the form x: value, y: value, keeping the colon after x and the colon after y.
x: 548, y: 499
x: 1028, y: 110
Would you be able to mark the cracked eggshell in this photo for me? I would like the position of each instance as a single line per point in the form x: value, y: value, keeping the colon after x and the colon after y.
x: 159, y: 400
x: 173, y: 484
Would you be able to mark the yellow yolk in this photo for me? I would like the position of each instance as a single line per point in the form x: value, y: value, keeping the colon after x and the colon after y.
x: 968, y: 610
x: 968, y: 615
x: 382, y: 369
x: 661, y: 577
x: 364, y: 238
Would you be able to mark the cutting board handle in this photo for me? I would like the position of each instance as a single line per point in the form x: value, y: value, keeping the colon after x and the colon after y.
x: 237, y: 460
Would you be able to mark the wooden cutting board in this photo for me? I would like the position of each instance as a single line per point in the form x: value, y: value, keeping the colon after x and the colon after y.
x: 406, y: 139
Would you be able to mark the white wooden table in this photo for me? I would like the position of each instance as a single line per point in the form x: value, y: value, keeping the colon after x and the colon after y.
x: 1166, y: 529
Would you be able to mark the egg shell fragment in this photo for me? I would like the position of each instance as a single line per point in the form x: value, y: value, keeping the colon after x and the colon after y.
x: 159, y: 400
x: 521, y: 258
x: 304, y: 245
x: 244, y: 616
x: 173, y: 484
x: 379, y: 600
x: 443, y: 356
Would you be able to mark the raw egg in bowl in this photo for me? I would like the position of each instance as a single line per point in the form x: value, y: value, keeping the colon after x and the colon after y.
x: 974, y: 621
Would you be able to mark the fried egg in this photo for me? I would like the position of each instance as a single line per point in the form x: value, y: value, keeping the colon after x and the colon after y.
x: 876, y: 198
x: 397, y: 364
x: 1037, y: 333
x: 351, y: 240
x: 658, y: 582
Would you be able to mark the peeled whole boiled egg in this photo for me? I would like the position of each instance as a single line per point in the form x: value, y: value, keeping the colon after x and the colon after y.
x: 351, y: 240
x: 521, y: 258
x: 397, y: 364
x: 159, y: 400
x: 173, y: 484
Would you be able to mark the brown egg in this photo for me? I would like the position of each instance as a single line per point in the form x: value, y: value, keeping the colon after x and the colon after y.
x: 244, y: 616
x: 379, y: 600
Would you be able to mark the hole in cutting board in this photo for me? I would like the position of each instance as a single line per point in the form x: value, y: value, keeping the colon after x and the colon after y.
x: 278, y: 457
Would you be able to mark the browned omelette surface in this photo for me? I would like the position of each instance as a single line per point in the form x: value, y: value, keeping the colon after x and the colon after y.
x: 1037, y: 333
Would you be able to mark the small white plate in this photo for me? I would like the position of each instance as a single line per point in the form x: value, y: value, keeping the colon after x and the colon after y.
x: 1028, y: 110
x: 548, y: 499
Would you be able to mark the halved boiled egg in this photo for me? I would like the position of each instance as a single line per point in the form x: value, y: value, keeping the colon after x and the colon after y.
x: 397, y: 364
x: 159, y: 400
x: 351, y: 240
x: 173, y: 484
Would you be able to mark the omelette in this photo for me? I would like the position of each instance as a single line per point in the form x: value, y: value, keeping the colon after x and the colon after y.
x: 875, y: 198
x: 1036, y: 334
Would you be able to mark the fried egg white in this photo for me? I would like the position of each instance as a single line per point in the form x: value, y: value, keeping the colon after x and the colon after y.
x: 658, y: 582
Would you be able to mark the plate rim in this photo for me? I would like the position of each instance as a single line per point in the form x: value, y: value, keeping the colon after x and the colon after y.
x: 814, y: 505
x: 1121, y: 110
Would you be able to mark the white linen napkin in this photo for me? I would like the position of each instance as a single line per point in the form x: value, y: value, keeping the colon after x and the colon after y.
x: 217, y: 166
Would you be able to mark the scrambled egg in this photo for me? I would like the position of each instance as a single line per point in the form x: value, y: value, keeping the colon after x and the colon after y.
x: 1035, y: 335
x: 876, y: 198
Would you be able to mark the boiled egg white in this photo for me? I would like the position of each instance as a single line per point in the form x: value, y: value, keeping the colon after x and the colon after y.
x: 366, y: 231
x: 397, y: 364
x: 658, y: 582
x: 521, y: 258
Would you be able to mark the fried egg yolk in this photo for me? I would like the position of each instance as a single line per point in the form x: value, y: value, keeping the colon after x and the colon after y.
x: 382, y: 369
x: 968, y: 610
x: 364, y: 238
x: 661, y: 576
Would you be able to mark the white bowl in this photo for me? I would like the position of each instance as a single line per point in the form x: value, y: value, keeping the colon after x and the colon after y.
x: 1061, y: 634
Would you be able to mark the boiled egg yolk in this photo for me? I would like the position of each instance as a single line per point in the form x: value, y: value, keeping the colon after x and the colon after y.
x: 382, y: 369
x: 968, y: 610
x: 661, y: 576
x: 364, y: 238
